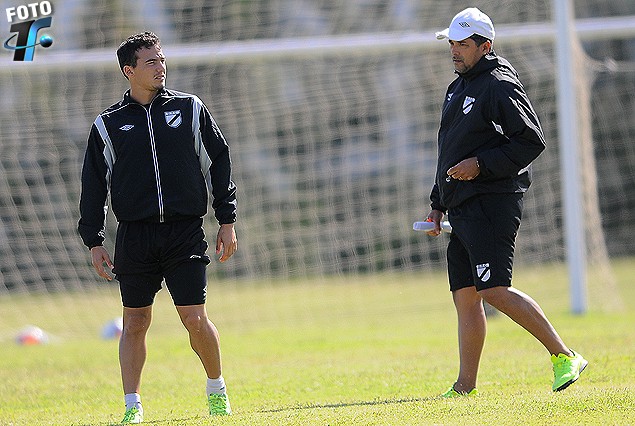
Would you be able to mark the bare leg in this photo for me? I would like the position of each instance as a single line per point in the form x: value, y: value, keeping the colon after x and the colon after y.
x: 132, y: 346
x: 472, y: 330
x: 527, y: 313
x: 204, y: 337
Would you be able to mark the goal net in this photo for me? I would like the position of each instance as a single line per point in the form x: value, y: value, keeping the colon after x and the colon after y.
x: 331, y: 110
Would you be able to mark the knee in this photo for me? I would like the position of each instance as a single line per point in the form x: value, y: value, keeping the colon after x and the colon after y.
x: 467, y: 299
x: 136, y: 323
x: 498, y: 297
x: 195, y: 322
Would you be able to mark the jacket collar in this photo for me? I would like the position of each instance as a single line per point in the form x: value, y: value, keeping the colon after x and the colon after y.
x: 127, y: 100
x: 485, y: 64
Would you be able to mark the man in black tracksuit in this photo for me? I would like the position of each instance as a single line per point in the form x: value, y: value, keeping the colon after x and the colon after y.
x: 488, y: 137
x: 157, y: 152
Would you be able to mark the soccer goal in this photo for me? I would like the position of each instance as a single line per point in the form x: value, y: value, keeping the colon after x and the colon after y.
x: 331, y: 110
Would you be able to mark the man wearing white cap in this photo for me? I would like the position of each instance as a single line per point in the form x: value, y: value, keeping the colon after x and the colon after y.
x: 488, y: 137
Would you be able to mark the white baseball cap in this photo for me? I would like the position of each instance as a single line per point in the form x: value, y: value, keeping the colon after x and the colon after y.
x: 466, y: 23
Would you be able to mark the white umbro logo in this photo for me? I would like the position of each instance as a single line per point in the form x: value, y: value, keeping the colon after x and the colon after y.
x: 126, y: 127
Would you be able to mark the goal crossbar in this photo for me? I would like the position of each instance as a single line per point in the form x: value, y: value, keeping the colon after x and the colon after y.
x: 361, y: 44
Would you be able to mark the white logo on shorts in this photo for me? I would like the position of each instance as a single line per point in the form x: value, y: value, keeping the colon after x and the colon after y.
x: 483, y: 271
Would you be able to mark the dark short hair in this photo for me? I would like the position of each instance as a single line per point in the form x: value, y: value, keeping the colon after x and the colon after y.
x: 127, y: 51
x: 479, y: 39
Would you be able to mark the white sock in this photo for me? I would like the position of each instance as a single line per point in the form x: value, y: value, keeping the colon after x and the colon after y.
x: 133, y: 400
x: 216, y: 385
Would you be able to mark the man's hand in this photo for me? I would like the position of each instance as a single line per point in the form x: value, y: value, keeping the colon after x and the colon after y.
x: 467, y: 169
x: 435, y: 216
x: 226, y: 241
x: 99, y: 257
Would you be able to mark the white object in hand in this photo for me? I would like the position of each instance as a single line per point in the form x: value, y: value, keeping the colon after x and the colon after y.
x: 429, y: 226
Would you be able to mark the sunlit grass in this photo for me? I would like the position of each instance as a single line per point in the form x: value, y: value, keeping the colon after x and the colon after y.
x: 370, y: 350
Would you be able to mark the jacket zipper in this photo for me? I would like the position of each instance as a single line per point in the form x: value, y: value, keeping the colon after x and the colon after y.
x: 156, y: 163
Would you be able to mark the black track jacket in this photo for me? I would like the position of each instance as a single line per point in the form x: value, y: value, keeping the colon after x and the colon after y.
x: 157, y: 162
x: 486, y: 114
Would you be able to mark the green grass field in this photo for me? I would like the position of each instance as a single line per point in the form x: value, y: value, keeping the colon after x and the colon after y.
x: 373, y: 350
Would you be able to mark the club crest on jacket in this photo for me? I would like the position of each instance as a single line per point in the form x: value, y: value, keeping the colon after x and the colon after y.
x: 173, y: 118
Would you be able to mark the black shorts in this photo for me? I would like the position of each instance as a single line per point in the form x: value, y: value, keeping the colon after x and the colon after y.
x: 481, y: 248
x: 147, y: 253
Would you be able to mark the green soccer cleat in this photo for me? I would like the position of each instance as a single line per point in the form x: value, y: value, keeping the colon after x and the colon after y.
x: 566, y: 370
x: 133, y: 416
x: 451, y: 393
x: 219, y: 404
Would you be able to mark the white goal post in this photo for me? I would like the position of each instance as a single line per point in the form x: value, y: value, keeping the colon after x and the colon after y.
x: 566, y: 45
